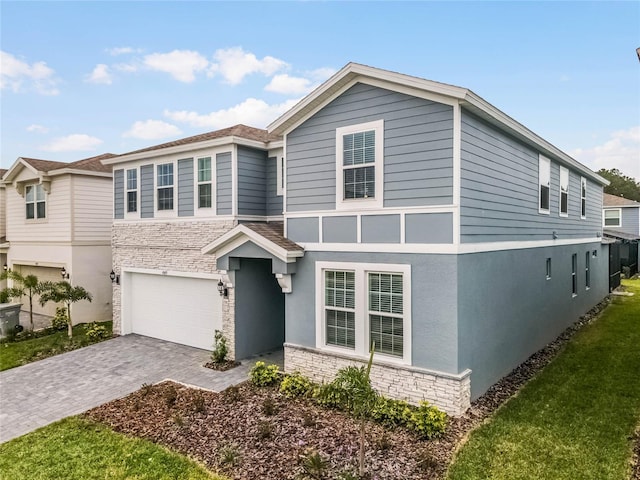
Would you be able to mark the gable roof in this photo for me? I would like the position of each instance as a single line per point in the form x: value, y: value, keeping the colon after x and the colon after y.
x: 90, y: 166
x: 614, y: 201
x: 353, y: 73
x: 231, y: 134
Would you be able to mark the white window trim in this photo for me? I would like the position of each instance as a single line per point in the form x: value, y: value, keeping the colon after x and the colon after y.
x: 361, y: 270
x: 35, y: 218
x: 341, y: 204
x: 619, y: 210
x: 280, y: 175
x: 127, y: 214
x: 583, y: 183
x: 174, y: 211
x: 566, y: 171
x: 544, y: 161
x: 548, y: 267
x: 204, y: 211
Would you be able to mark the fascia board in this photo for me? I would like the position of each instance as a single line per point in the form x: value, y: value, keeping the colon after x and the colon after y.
x: 14, y: 170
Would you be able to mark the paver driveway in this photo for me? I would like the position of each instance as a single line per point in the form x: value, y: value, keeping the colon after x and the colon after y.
x: 42, y: 392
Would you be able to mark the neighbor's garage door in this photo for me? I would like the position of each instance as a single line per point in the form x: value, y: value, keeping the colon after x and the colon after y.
x: 178, y: 309
x: 44, y: 274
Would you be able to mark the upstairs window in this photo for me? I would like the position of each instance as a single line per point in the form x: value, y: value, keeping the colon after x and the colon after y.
x: 165, y: 186
x: 612, y: 218
x: 204, y: 183
x: 132, y: 190
x: 35, y: 202
x: 359, y: 163
x: 583, y: 197
x: 544, y: 180
x: 564, y: 192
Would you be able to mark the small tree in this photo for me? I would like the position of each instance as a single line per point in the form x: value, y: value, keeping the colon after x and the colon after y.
x: 28, y: 285
x: 64, y: 292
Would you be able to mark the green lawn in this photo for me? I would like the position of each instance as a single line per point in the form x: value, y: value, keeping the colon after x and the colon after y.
x: 76, y: 449
x: 575, y: 419
x: 14, y: 354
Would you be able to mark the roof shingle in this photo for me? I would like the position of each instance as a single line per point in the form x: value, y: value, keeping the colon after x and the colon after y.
x: 91, y: 164
x: 274, y: 232
x: 615, y: 201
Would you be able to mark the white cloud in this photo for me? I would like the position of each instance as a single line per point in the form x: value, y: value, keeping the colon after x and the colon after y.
x: 253, y: 112
x: 126, y: 67
x: 621, y: 151
x: 37, y: 128
x: 15, y: 73
x: 234, y: 64
x: 180, y: 64
x: 288, y: 85
x: 152, y: 130
x: 100, y: 74
x: 122, y: 51
x: 321, y: 74
x: 72, y: 143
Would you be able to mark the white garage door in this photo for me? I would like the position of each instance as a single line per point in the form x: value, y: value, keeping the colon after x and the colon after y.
x: 178, y: 309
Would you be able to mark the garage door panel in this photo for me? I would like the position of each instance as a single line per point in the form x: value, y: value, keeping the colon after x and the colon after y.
x: 178, y: 309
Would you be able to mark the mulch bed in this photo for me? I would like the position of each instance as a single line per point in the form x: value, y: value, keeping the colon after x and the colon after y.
x: 236, y: 433
x: 222, y: 366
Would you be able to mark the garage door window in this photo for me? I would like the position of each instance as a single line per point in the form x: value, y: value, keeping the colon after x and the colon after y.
x: 35, y: 201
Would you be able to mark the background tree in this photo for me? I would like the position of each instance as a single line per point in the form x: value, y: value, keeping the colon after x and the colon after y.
x: 64, y: 292
x: 28, y: 285
x: 621, y: 184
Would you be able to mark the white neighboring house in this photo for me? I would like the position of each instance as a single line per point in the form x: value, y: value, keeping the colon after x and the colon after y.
x: 58, y: 216
x: 3, y: 227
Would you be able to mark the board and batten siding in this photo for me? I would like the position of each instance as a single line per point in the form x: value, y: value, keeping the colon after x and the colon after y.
x: 92, y: 206
x: 274, y: 201
x: 56, y: 227
x: 224, y: 188
x: 252, y: 181
x: 185, y: 187
x: 118, y: 194
x: 146, y: 191
x: 418, y: 149
x: 499, y: 191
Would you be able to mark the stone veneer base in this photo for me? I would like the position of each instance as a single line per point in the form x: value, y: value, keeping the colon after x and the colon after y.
x: 450, y: 393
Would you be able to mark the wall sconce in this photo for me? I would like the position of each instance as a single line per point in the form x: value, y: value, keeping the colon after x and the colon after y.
x: 64, y: 274
x: 554, y: 234
x: 114, y: 278
x: 5, y: 267
x: 222, y: 290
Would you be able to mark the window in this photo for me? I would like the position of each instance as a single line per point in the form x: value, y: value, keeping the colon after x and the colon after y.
x: 204, y: 183
x: 612, y: 218
x: 280, y: 176
x: 583, y: 197
x: 564, y: 192
x: 574, y: 274
x: 165, y: 186
x: 35, y: 201
x: 587, y: 274
x: 548, y: 268
x: 544, y: 180
x: 340, y: 307
x: 132, y: 190
x: 359, y: 163
x: 359, y: 304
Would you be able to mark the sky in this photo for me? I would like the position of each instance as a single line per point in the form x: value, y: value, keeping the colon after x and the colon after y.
x: 80, y: 79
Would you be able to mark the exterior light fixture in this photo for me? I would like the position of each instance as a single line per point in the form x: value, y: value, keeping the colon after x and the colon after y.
x: 554, y: 234
x: 5, y: 267
x: 64, y: 274
x: 222, y: 290
x: 114, y: 278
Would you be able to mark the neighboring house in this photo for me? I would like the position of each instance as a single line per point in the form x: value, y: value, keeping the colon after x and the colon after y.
x: 415, y: 215
x: 621, y: 221
x: 3, y: 228
x: 58, y: 215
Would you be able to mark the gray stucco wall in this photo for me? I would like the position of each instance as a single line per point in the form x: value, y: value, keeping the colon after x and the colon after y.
x: 259, y: 309
x: 499, y: 191
x: 118, y: 193
x: 146, y: 191
x: 274, y: 202
x: 305, y: 230
x: 185, y: 187
x: 509, y: 310
x: 418, y: 149
x: 252, y: 181
x: 223, y: 183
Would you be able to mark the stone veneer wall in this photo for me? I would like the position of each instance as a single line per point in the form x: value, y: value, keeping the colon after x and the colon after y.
x: 450, y: 393
x: 170, y: 245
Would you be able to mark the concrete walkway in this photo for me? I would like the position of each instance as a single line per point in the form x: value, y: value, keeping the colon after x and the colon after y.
x: 39, y: 393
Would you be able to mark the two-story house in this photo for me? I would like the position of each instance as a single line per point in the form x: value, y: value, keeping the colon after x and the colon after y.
x: 381, y: 208
x: 58, y: 216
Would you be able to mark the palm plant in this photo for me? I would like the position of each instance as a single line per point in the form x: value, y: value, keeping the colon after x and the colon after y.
x: 28, y: 285
x: 64, y: 292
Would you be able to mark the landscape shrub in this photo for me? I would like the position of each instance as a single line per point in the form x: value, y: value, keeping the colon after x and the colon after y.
x: 330, y: 396
x: 263, y: 375
x: 295, y: 385
x: 428, y: 421
x: 391, y: 413
x: 219, y: 354
x: 60, y: 320
x: 96, y: 332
